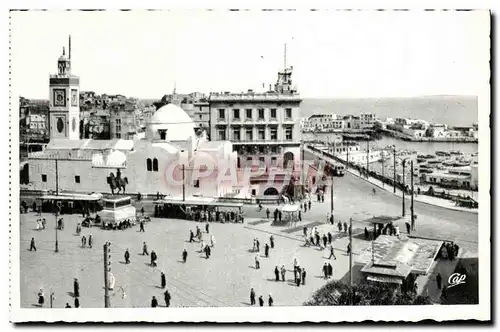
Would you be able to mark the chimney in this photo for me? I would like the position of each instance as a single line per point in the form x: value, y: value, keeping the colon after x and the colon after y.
x: 69, y: 47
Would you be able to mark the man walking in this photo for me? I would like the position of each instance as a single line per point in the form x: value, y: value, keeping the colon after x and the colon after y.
x: 145, y: 249
x: 32, y: 244
x: 300, y: 216
x: 408, y: 227
x: 303, y: 276
x: 309, y: 203
x: 84, y: 241
x: 141, y: 226
x: 325, y: 270
x: 261, y: 301
x: 163, y: 280
x: 270, y: 300
x: 90, y: 241
x: 76, y: 288
x: 191, y: 236
x: 184, y: 255
x: 257, y: 244
x: 252, y: 297
x: 339, y: 226
x: 332, y: 253
x: 127, y: 257
x: 330, y: 238
x: 345, y: 227
x: 257, y: 263
x: 325, y: 240
x: 279, y: 215
x: 266, y: 250
x: 267, y: 213
x: 153, y: 258
x: 277, y: 273
x: 271, y: 239
x: 330, y: 270
x: 166, y: 296
x: 207, y: 228
x: 331, y: 219
x: 283, y: 272
x: 142, y: 208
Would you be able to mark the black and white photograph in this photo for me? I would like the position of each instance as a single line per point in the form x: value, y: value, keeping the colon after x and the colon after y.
x: 200, y: 165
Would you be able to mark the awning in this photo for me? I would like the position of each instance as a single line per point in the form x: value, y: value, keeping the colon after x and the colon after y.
x: 387, y: 280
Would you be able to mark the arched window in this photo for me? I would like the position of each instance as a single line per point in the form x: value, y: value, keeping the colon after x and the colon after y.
x: 155, y: 165
x: 148, y: 165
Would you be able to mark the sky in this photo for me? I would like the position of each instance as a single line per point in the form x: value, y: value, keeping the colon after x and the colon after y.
x: 334, y: 54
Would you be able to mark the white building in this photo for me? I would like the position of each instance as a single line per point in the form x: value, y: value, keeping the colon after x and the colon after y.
x: 367, y: 120
x: 148, y: 166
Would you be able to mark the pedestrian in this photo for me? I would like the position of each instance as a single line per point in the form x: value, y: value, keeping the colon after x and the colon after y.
x: 90, y: 241
x: 266, y: 250
x: 330, y: 238
x: 275, y: 215
x: 163, y: 280
x: 339, y: 226
x: 67, y: 306
x: 252, y: 297
x: 257, y: 263
x: 325, y: 240
x: 350, y: 230
x: 309, y: 203
x: 325, y: 270
x: 257, y: 243
x: 84, y: 241
x: 366, y: 233
x: 212, y: 240
x: 332, y: 253
x: 154, y: 302
x: 438, y: 280
x: 331, y: 219
x: 167, y: 297
x: 345, y: 227
x: 145, y: 249
x: 153, y: 258
x: 283, y: 272
x: 303, y: 276
x: 408, y: 227
x: 207, y: 228
x: 184, y: 255
x: 330, y: 270
x: 270, y: 301
x: 191, y: 236
x: 198, y: 232
x: 41, y: 297
x: 305, y: 231
x: 279, y: 215
x: 268, y: 213
x: 127, y: 257
x: 348, y: 248
x: 277, y: 273
x: 77, y: 303
x: 300, y: 216
x: 207, y: 251
x: 261, y: 301
x: 271, y: 239
x: 142, y: 210
x: 317, y: 239
x: 141, y: 226
x: 44, y: 223
x: 76, y: 288
x: 32, y: 244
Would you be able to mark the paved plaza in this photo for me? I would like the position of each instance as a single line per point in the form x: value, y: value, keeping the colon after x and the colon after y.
x: 225, y: 279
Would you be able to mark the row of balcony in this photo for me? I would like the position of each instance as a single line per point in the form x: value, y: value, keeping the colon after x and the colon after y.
x: 258, y: 121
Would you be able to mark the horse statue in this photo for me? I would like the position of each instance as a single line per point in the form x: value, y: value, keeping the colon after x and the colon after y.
x: 117, y: 182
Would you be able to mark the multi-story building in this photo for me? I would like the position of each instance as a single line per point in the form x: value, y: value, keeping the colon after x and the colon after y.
x: 201, y: 115
x: 367, y: 120
x: 351, y: 122
x: 261, y: 126
x: 123, y: 123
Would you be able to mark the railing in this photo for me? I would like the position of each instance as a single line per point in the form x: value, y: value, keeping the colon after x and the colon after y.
x: 254, y: 97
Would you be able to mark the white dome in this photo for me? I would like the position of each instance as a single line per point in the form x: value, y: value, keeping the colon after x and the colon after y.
x: 174, y: 121
x: 170, y: 114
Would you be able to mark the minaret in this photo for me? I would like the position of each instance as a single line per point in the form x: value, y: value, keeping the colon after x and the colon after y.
x: 64, y: 110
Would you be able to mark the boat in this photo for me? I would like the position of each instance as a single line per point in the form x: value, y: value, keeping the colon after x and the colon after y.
x: 455, y: 152
x: 442, y: 154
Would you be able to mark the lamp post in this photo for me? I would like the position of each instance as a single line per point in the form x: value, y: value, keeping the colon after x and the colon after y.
x: 412, y: 194
x: 394, y: 180
x: 331, y: 199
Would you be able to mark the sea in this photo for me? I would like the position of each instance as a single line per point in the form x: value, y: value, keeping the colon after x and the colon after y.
x: 449, y: 110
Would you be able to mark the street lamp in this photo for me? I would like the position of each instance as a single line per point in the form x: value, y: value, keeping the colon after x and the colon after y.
x: 404, y: 186
x: 57, y: 226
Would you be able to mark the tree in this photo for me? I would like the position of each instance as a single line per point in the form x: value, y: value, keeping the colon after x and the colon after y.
x: 338, y: 293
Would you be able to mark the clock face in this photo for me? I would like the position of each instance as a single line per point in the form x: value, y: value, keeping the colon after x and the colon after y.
x: 59, y: 97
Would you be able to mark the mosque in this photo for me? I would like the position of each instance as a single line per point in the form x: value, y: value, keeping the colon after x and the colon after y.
x: 157, y: 163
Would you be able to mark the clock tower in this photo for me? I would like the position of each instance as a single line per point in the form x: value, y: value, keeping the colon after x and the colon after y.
x: 64, y: 98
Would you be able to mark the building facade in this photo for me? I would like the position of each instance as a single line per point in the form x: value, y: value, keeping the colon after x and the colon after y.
x: 367, y: 120
x: 263, y: 128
